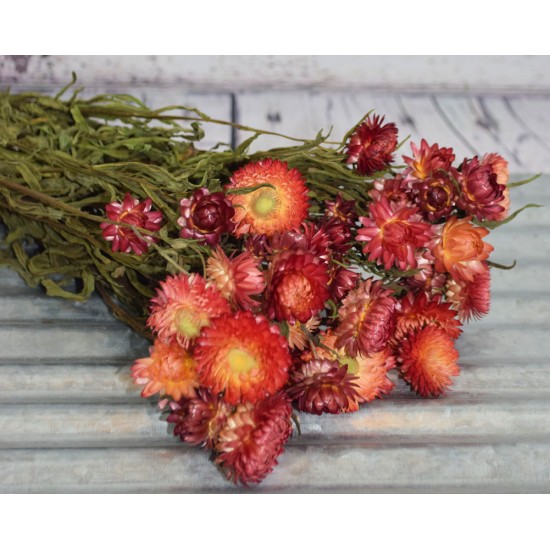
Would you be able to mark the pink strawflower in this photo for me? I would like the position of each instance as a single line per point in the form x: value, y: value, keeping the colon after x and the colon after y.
x: 428, y: 161
x: 367, y: 319
x: 133, y: 213
x: 237, y: 278
x: 183, y: 306
x: 392, y: 234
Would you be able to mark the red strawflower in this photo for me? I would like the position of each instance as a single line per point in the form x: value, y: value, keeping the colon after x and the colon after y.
x: 133, y: 213
x: 480, y: 193
x: 341, y: 281
x: 460, y: 250
x: 396, y: 190
x: 237, y: 278
x: 426, y: 278
x: 183, y: 305
x: 435, y: 197
x: 392, y: 234
x: 428, y: 161
x: 298, y: 287
x: 371, y: 146
x: 253, y: 437
x: 427, y: 360
x: 341, y: 210
x: 367, y: 319
x: 416, y: 311
x: 471, y: 298
x: 169, y: 370
x: 243, y: 356
x: 323, y: 386
x: 371, y: 370
x: 199, y: 420
x: 206, y: 216
x: 339, y: 237
x: 282, y: 207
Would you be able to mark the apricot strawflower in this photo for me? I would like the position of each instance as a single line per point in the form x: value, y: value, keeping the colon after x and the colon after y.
x: 170, y: 370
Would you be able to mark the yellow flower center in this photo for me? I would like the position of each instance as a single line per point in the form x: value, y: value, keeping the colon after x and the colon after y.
x: 265, y: 203
x: 189, y: 324
x: 240, y: 361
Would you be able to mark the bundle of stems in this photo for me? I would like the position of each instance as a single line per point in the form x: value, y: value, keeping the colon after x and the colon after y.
x: 63, y: 160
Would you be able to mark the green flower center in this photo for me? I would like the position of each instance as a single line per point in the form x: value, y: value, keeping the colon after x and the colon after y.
x: 189, y: 324
x: 351, y: 363
x: 265, y: 203
x: 240, y: 361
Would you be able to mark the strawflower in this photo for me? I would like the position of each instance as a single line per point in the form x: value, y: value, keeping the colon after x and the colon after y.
x: 183, y: 306
x: 133, y: 213
x: 371, y: 146
x: 459, y: 249
x: 169, y: 370
x: 279, y: 206
x: 237, y: 278
x: 392, y: 234
x: 427, y: 360
x: 366, y: 319
x: 206, y: 216
x: 253, y: 437
x: 242, y: 356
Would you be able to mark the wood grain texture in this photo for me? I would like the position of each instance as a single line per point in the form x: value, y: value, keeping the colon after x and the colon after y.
x: 470, y: 124
x: 239, y: 73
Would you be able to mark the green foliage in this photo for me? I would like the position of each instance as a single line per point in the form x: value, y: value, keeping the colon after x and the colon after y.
x: 62, y: 161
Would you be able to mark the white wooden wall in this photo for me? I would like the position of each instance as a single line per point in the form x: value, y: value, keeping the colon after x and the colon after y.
x: 71, y: 419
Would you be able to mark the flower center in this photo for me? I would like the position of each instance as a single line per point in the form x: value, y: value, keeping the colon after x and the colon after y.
x: 188, y: 323
x: 265, y: 203
x: 350, y: 362
x: 240, y: 361
x: 396, y: 232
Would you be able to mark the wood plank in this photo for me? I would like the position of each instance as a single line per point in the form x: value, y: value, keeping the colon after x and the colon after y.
x: 459, y: 418
x: 268, y: 72
x: 93, y: 384
x: 483, y: 468
x: 56, y: 340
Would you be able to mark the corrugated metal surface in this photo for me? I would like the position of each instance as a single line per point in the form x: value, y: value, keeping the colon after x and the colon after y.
x: 71, y: 419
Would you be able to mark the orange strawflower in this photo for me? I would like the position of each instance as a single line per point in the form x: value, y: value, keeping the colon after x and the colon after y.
x: 243, y: 356
x: 460, y: 250
x: 268, y: 209
x: 427, y: 359
x: 169, y: 370
x: 418, y: 310
x: 472, y: 299
x: 298, y: 287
